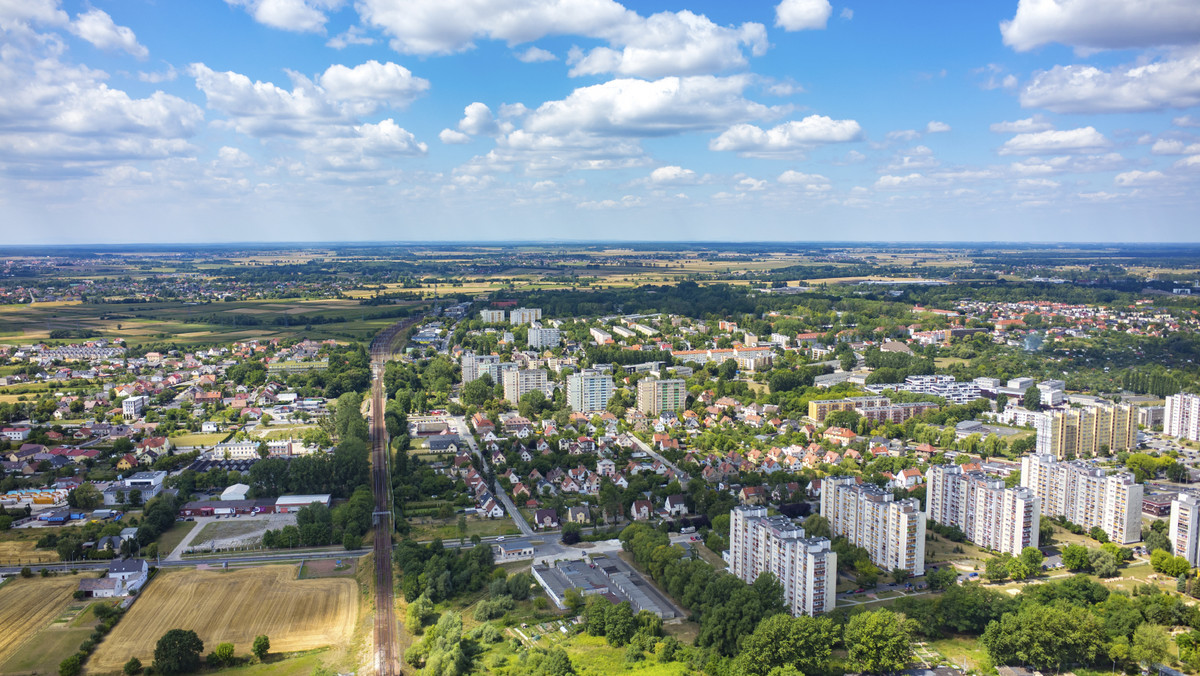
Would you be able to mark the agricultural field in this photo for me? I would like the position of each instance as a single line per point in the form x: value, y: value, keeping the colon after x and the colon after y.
x: 17, y: 548
x: 235, y: 606
x: 29, y: 605
x: 50, y: 646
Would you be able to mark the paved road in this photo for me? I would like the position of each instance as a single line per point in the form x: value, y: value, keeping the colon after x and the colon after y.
x: 200, y: 560
x: 683, y: 477
x: 460, y: 427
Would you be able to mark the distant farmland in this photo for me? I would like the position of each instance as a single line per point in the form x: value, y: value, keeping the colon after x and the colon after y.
x: 28, y: 605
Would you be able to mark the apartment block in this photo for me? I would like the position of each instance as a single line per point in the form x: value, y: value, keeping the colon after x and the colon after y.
x: 892, y: 531
x: 1087, y: 432
x: 475, y: 365
x: 600, y: 336
x: 132, y: 407
x: 818, y: 410
x: 491, y: 316
x: 589, y: 391
x: 1086, y: 495
x: 542, y: 337
x: 1181, y: 416
x: 805, y: 567
x: 991, y: 515
x: 655, y: 396
x: 524, y: 315
x: 518, y: 383
x: 1185, y: 528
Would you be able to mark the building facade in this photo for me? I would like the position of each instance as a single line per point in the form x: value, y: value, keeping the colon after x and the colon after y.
x: 655, y: 396
x: 491, y: 316
x: 540, y: 337
x: 991, y: 515
x: 1086, y: 495
x: 589, y: 391
x: 820, y: 409
x: 892, y: 531
x: 1181, y: 416
x: 524, y: 315
x: 518, y: 383
x: 1185, y: 528
x: 475, y: 365
x: 805, y: 567
x: 1087, y: 432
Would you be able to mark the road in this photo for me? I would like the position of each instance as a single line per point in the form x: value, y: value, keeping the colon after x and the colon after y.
x: 464, y: 433
x: 195, y: 561
x: 683, y: 477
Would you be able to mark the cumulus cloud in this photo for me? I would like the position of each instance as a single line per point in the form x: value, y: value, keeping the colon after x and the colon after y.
x: 935, y: 127
x: 452, y: 137
x: 890, y: 182
x: 233, y: 157
x: 1102, y: 24
x: 799, y: 15
x: 1066, y: 164
x: 302, y: 16
x: 788, y: 138
x: 1168, y: 83
x: 623, y: 203
x: 672, y: 175
x: 1035, y: 183
x: 1137, y: 177
x: 354, y: 35
x: 535, y: 55
x: 793, y: 177
x: 904, y: 135
x: 1082, y: 140
x: 478, y: 119
x: 1188, y: 162
x: 1186, y: 121
x: 364, y: 146
x: 372, y: 84
x: 97, y: 27
x: 1027, y: 125
x: 1174, y: 147
x: 667, y: 43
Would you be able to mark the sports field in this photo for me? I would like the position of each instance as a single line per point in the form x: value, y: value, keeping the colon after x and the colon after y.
x: 27, y: 605
x: 234, y: 607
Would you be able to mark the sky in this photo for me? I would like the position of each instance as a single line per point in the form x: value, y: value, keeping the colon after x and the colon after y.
x: 474, y: 120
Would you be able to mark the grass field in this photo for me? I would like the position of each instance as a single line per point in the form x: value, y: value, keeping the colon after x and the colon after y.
x: 17, y: 548
x: 199, y: 439
x: 29, y: 605
x: 234, y: 606
x: 218, y: 530
x: 428, y: 528
x: 168, y: 541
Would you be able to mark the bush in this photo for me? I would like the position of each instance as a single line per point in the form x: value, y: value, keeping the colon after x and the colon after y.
x: 71, y: 666
x: 261, y: 646
x: 26, y: 572
x: 133, y: 667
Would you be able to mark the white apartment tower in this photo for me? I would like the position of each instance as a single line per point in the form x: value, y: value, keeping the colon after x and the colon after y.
x: 1185, y: 528
x: 892, y: 531
x: 491, y: 316
x: 475, y: 365
x: 805, y: 567
x: 655, y: 396
x: 1086, y: 495
x: 589, y: 391
x: 518, y: 383
x: 540, y: 337
x: 133, y: 406
x: 991, y: 515
x: 1181, y: 416
x: 524, y: 315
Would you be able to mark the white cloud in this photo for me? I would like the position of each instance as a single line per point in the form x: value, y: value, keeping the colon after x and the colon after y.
x: 40, y: 11
x: 1027, y: 125
x: 997, y: 79
x: 97, y: 27
x: 1186, y: 121
x: 787, y: 138
x: 673, y: 175
x: 935, y: 127
x: 1137, y: 177
x: 509, y: 110
x: 627, y: 107
x: 1102, y: 24
x: 263, y: 109
x: 793, y: 177
x: 889, y: 181
x: 1169, y: 83
x: 452, y: 137
x: 667, y: 43
x: 920, y: 157
x: 371, y: 84
x: 477, y: 119
x: 799, y: 15
x: 904, y: 135
x: 784, y: 89
x: 1174, y: 147
x: 535, y: 55
x: 1079, y: 164
x: 1082, y: 140
x: 1034, y: 183
x: 233, y: 157
x: 302, y: 16
x: 168, y: 75
x: 847, y: 13
x: 751, y: 184
x: 1188, y: 162
x: 364, y: 147
x: 624, y: 203
x: 354, y: 35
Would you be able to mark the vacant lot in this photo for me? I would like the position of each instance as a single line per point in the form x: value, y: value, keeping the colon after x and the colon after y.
x: 17, y: 548
x: 234, y: 607
x: 28, y: 605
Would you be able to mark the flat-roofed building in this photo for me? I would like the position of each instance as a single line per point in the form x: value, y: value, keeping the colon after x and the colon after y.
x: 655, y: 396
x: 1086, y: 495
x: 892, y: 531
x: 989, y: 514
x: 1185, y: 528
x: 589, y: 391
x: 1181, y: 416
x: 1087, y: 432
x: 805, y: 567
x: 518, y: 383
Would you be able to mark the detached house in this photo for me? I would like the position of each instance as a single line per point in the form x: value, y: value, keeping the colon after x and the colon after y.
x: 641, y: 510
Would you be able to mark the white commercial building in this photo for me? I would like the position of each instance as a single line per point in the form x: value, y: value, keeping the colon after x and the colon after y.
x: 540, y: 337
x: 475, y: 365
x: 1181, y: 417
x: 892, y: 531
x: 805, y: 567
x: 524, y: 315
x: 989, y: 514
x: 1086, y: 495
x: 518, y: 383
x: 491, y: 316
x: 945, y: 387
x: 1185, y: 528
x: 132, y: 407
x: 589, y: 391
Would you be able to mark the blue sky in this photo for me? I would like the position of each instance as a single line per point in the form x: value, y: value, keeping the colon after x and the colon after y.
x: 319, y: 120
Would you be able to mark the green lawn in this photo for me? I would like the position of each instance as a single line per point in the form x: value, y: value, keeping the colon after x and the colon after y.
x: 199, y: 439
x: 962, y: 650
x: 427, y: 528
x: 169, y: 540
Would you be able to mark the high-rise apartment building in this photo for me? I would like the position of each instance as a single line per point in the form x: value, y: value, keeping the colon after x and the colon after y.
x: 491, y: 316
x: 1185, y: 528
x: 475, y: 365
x: 655, y: 396
x: 991, y: 515
x: 518, y: 383
x: 524, y: 315
x: 892, y: 531
x: 540, y: 337
x: 805, y: 567
x: 1087, y: 432
x: 1181, y: 416
x: 589, y: 391
x: 1086, y: 495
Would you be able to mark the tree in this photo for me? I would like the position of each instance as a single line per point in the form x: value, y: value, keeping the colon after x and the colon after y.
x: 261, y: 646
x: 942, y: 578
x: 804, y: 642
x: 1032, y: 557
x: 1150, y: 645
x: 178, y: 652
x: 418, y: 614
x: 462, y: 528
x: 132, y: 667
x: 476, y: 393
x: 222, y: 656
x: 573, y: 600
x: 996, y: 569
x: 87, y: 496
x: 595, y: 615
x: 1102, y: 563
x: 817, y: 526
x: 72, y: 666
x: 1045, y: 637
x: 1162, y: 561
x: 571, y: 533
x: 619, y: 625
x: 1097, y: 533
x: 1075, y: 557
x: 1157, y: 541
x: 1032, y: 399
x: 555, y: 663
x: 878, y: 641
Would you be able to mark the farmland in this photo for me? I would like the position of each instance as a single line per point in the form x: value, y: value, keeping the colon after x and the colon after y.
x: 28, y: 605
x: 234, y: 607
x: 17, y: 548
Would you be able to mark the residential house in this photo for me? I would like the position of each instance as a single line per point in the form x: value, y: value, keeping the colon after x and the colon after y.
x: 641, y: 510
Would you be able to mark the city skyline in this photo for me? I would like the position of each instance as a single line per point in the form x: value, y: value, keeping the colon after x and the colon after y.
x: 589, y: 120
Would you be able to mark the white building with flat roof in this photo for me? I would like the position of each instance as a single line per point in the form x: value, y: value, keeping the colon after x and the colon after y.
x: 475, y: 365
x: 541, y: 337
x: 1181, y: 416
x: 524, y: 315
x: 589, y: 391
x: 1086, y: 495
x: 805, y: 567
x: 989, y: 514
x: 491, y: 316
x: 1185, y: 528
x: 518, y: 383
x: 892, y: 531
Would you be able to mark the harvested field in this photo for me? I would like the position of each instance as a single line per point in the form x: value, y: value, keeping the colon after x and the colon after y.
x: 28, y: 605
x: 234, y: 607
x: 20, y: 551
x: 328, y: 568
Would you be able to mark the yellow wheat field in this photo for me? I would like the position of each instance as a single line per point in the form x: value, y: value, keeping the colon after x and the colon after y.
x: 233, y: 607
x: 13, y: 552
x: 28, y: 605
